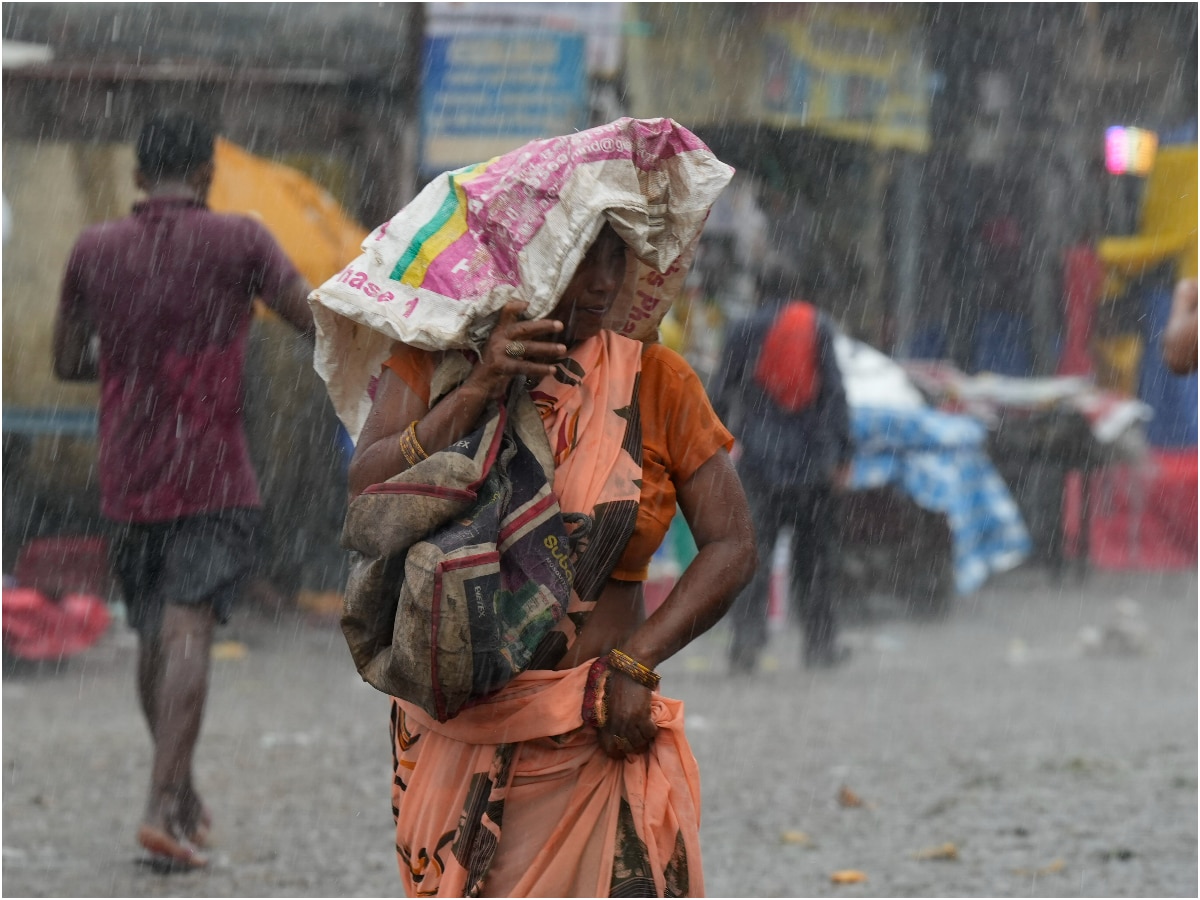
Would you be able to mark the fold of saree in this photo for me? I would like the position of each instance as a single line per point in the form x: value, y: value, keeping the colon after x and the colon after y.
x: 576, y: 823
x: 592, y: 417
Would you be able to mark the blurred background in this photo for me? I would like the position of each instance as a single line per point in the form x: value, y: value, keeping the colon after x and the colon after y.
x: 991, y: 201
x: 997, y: 197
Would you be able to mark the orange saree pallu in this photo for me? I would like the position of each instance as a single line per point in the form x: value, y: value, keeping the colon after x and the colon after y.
x: 514, y: 797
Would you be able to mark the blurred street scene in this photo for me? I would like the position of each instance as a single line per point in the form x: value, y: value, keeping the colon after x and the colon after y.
x: 1040, y: 742
x: 990, y: 204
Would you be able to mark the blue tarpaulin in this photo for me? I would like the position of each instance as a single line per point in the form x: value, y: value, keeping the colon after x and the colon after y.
x: 940, y: 461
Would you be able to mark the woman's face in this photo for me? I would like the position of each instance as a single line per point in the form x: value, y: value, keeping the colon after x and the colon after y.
x: 592, y: 289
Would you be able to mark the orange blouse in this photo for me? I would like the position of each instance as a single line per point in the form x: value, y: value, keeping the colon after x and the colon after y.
x: 680, y: 432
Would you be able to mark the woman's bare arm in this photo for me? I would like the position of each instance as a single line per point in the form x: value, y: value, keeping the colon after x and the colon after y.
x: 715, y: 508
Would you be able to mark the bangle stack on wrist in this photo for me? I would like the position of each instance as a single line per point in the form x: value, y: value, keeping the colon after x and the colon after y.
x: 595, y: 695
x: 631, y: 668
x: 410, y: 447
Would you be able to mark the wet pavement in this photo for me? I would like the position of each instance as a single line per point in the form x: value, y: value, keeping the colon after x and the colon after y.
x: 1038, y: 741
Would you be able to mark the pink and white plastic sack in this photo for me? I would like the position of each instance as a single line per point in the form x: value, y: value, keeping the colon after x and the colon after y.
x: 515, y: 228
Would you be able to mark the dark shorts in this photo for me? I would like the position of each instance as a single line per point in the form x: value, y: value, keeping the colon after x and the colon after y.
x: 194, y: 561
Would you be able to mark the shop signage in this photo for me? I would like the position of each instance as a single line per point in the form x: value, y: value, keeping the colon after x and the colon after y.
x: 853, y: 74
x: 487, y: 91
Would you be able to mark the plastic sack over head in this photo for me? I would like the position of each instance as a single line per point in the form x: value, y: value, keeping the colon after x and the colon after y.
x: 515, y: 228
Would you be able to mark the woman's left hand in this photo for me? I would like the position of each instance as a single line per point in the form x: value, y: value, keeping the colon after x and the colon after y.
x: 630, y: 728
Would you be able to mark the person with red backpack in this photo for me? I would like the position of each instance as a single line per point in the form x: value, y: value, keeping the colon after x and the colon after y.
x: 779, y: 389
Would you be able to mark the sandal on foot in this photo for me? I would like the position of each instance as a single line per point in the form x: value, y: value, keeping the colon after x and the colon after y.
x: 168, y: 853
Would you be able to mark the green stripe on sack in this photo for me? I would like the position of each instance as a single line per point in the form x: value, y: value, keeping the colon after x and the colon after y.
x: 447, y: 226
x: 432, y: 227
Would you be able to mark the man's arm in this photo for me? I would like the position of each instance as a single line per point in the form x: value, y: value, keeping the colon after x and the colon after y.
x: 291, y: 302
x: 275, y: 278
x: 1179, y: 341
x: 74, y: 334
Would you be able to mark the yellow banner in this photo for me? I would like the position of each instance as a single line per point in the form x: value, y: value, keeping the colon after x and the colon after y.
x: 854, y: 72
x: 856, y: 75
x: 1167, y: 226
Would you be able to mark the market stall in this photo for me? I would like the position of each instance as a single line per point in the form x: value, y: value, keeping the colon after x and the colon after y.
x: 1044, y: 435
x: 917, y: 467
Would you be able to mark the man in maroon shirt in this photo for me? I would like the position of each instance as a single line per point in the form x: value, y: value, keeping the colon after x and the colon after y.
x: 158, y: 305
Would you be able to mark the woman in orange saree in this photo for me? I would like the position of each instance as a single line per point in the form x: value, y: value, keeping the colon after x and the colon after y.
x: 575, y: 779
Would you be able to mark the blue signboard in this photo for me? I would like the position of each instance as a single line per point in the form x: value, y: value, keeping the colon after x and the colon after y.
x: 485, y: 92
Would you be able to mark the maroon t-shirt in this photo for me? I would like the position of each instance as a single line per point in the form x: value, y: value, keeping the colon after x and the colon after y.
x: 169, y: 291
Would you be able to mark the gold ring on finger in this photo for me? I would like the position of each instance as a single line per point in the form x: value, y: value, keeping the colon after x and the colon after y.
x: 514, y: 350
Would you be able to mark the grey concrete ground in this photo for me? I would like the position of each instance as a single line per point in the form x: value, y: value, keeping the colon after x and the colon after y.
x: 1037, y: 742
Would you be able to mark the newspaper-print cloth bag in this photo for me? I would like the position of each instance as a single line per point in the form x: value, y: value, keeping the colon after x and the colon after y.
x: 458, y: 567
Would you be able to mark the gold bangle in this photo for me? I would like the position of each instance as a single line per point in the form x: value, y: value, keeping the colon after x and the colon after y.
x: 630, y: 667
x: 406, y: 451
x: 410, y: 447
x: 416, y: 445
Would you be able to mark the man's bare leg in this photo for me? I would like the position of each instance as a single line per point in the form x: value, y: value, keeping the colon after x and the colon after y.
x: 148, y: 675
x: 150, y: 664
x: 173, y: 686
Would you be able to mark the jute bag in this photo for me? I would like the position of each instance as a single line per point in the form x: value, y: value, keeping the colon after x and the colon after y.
x: 459, y: 565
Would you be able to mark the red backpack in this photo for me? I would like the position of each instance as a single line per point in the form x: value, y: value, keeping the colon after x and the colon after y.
x: 788, y: 368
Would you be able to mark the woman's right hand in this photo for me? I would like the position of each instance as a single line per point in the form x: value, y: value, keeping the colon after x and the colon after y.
x: 378, y: 456
x: 630, y: 727
x: 533, y: 341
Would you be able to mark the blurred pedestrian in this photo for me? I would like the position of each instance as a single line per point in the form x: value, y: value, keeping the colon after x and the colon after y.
x: 157, y: 306
x: 1179, y: 340
x: 780, y: 389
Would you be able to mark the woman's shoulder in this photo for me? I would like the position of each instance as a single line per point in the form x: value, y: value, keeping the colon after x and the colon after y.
x: 670, y: 378
x: 679, y: 424
x: 662, y: 361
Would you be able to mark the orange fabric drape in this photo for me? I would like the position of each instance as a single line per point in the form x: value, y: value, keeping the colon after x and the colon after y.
x: 563, y: 800
x: 586, y: 425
